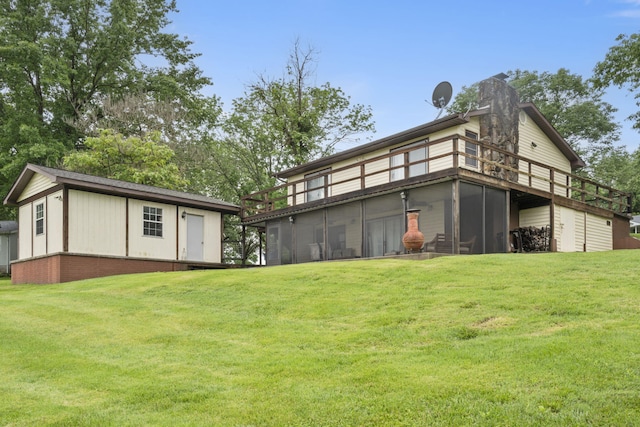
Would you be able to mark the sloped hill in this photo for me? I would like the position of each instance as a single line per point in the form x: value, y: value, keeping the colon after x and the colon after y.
x: 544, y: 339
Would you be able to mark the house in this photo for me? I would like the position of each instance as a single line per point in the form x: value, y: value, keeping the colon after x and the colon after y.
x: 8, y: 245
x: 484, y: 182
x: 634, y: 224
x: 74, y: 226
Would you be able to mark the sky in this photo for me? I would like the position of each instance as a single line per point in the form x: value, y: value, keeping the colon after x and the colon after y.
x: 390, y: 55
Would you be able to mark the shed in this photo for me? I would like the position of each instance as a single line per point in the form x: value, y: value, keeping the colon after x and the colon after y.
x: 75, y: 226
x: 8, y: 245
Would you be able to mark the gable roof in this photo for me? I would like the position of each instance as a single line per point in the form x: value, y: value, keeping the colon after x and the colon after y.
x: 115, y: 187
x: 434, y: 126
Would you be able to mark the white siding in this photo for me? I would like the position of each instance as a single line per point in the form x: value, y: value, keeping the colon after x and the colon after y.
x: 535, y: 145
x: 441, y: 148
x: 377, y: 172
x: 565, y: 234
x: 544, y: 151
x: 25, y: 222
x: 580, y: 230
x: 37, y: 184
x: 54, y: 222
x: 351, y: 177
x: 212, y: 234
x: 535, y: 217
x: 151, y: 246
x: 576, y: 230
x: 97, y: 224
x: 599, y: 233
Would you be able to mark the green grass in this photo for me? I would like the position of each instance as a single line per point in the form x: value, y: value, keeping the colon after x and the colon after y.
x: 499, y: 340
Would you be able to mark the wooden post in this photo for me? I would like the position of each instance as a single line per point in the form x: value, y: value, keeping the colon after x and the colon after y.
x: 552, y: 233
x: 294, y: 194
x: 456, y: 155
x: 455, y: 201
x: 243, y: 248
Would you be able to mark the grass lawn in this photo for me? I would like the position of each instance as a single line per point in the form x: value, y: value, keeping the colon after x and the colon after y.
x: 499, y: 340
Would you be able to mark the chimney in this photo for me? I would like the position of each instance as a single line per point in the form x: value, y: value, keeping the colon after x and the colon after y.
x: 499, y: 127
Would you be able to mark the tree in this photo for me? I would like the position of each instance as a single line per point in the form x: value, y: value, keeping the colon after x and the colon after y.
x: 132, y: 159
x: 571, y: 104
x: 288, y: 121
x: 280, y: 123
x: 621, y: 67
x: 187, y: 129
x: 60, y: 59
x: 618, y: 168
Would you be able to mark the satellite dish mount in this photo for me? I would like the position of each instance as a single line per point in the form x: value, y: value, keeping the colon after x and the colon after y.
x: 441, y: 96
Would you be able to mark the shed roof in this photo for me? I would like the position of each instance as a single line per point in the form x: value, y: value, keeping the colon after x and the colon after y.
x: 115, y: 187
x: 8, y: 227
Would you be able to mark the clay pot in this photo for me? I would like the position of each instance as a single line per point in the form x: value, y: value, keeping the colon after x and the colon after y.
x: 413, y: 239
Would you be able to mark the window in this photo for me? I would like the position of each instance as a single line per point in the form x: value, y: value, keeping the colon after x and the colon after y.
x: 420, y: 168
x: 152, y: 221
x: 316, y: 185
x: 471, y: 149
x: 39, y: 219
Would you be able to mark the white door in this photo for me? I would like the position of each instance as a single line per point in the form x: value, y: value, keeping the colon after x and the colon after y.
x: 195, y: 238
x: 567, y: 230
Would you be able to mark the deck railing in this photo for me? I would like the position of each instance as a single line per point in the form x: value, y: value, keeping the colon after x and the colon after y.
x: 444, y: 153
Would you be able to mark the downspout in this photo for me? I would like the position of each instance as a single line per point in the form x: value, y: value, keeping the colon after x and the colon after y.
x: 403, y: 196
x: 243, y: 248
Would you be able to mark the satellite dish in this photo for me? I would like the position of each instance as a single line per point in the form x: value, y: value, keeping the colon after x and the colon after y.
x: 442, y: 95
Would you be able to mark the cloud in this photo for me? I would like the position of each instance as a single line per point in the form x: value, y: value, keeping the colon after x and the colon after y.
x: 628, y: 13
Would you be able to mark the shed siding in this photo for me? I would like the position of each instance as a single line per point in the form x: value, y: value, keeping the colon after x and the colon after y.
x: 37, y: 184
x: 54, y: 222
x: 212, y: 229
x: 151, y: 246
x: 25, y: 248
x: 97, y: 224
x: 580, y: 218
x: 599, y: 233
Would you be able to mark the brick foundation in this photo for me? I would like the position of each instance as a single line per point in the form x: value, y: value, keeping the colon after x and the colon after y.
x: 63, y: 267
x: 621, y: 238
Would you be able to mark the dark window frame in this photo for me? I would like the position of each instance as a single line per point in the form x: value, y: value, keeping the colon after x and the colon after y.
x: 471, y: 149
x: 400, y: 173
x: 316, y: 185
